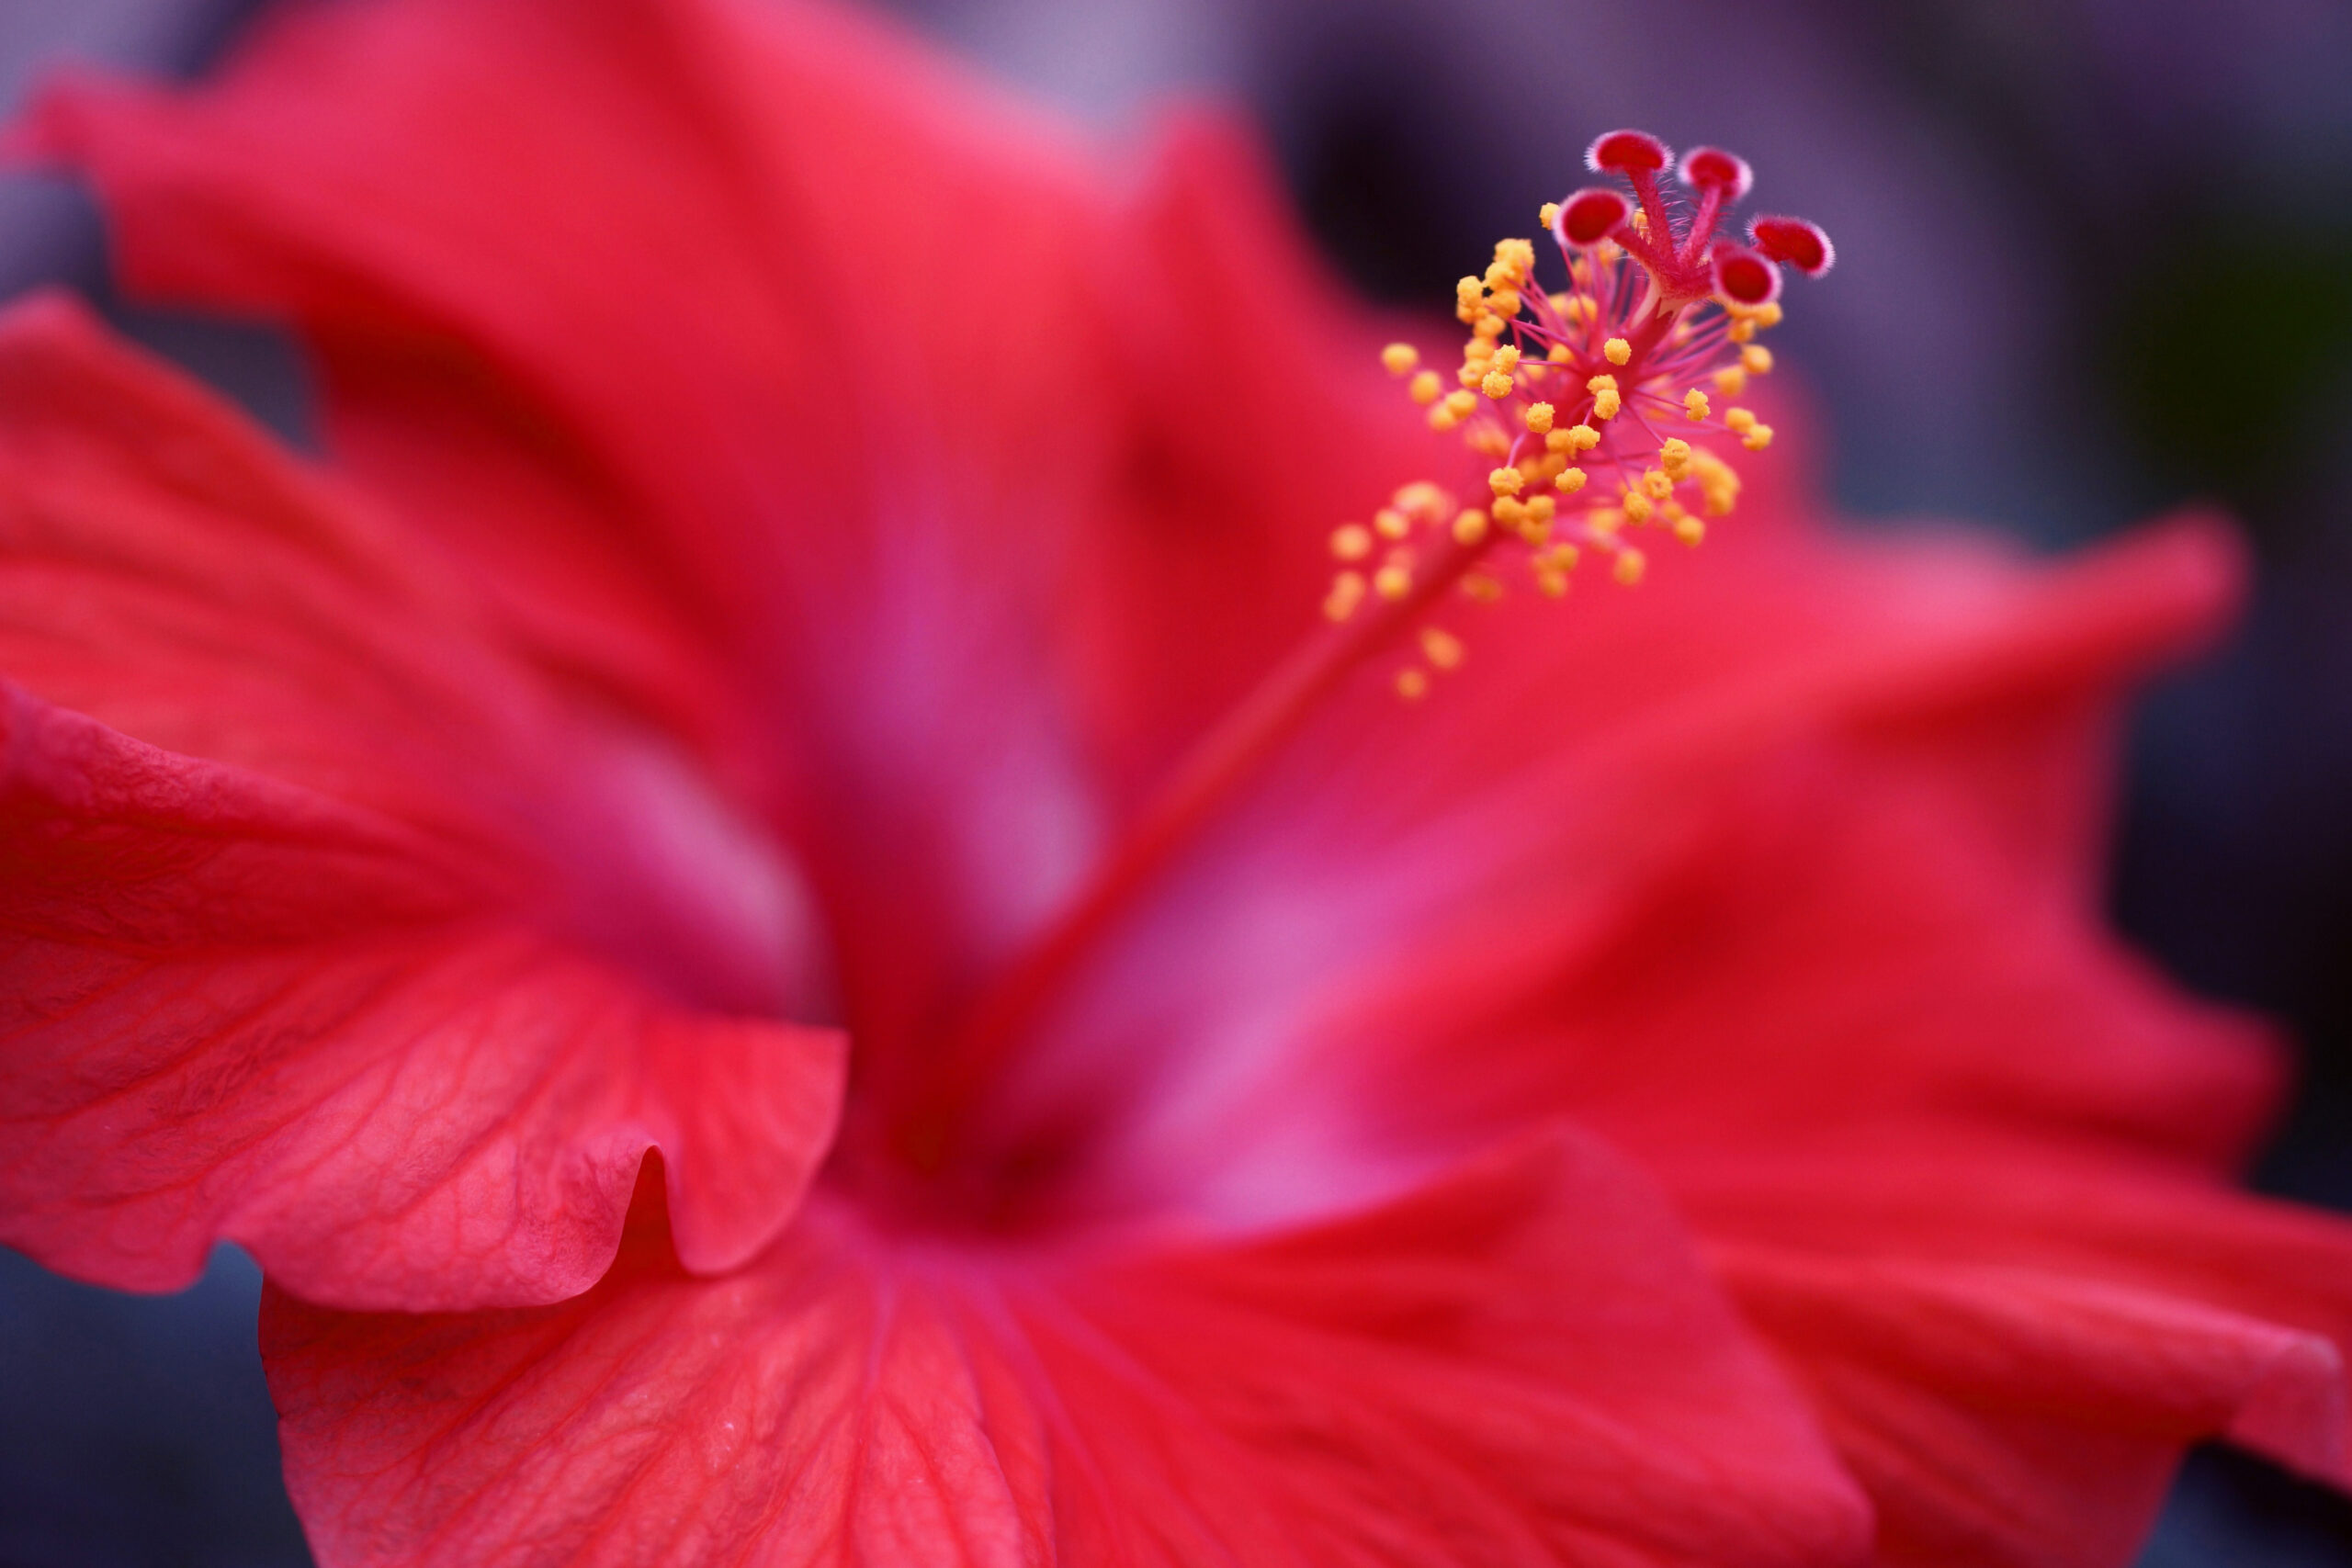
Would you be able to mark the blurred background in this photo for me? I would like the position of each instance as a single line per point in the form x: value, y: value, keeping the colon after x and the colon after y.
x: 2095, y: 259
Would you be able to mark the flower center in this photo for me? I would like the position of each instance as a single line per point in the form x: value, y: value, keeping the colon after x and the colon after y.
x: 1592, y: 411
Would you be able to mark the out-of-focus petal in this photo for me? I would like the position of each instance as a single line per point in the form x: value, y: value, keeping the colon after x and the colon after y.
x: 1262, y: 419
x: 734, y: 307
x: 1928, y: 1194
x: 1520, y: 1363
x: 1407, y: 879
x: 2001, y: 1418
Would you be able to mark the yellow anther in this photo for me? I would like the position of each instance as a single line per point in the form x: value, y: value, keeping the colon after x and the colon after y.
x: 1550, y: 584
x: 1442, y: 649
x: 1539, y: 418
x: 1740, y: 420
x: 1531, y: 470
x: 1412, y: 685
x: 1479, y: 351
x: 1420, y: 500
x: 1628, y: 569
x: 1689, y: 530
x: 1656, y: 485
x: 1562, y: 557
x: 1541, y: 509
x: 1756, y: 360
x: 1674, y: 457
x: 1519, y: 255
x: 1636, y: 507
x: 1502, y: 275
x: 1507, y: 359
x: 1425, y: 387
x: 1606, y: 403
x: 1641, y: 221
x: 1391, y: 524
x: 1741, y: 330
x: 1756, y: 439
x: 1731, y: 380
x: 1694, y: 403
x: 1490, y: 325
x: 1505, y: 481
x: 1617, y: 350
x: 1604, y: 520
x: 1393, y: 581
x: 1584, y: 437
x: 1550, y: 466
x: 1400, y: 357
x: 1443, y: 418
x: 1548, y: 214
x: 1509, y: 513
x: 1483, y: 586
x: 1460, y: 405
x: 1469, y: 525
x: 1570, y: 480
x: 1718, y: 482
x: 1469, y: 300
x: 1488, y: 441
x: 1504, y: 302
x: 1351, y: 541
x: 1558, y: 354
x: 1496, y: 385
x: 1347, y: 592
x: 1768, y: 314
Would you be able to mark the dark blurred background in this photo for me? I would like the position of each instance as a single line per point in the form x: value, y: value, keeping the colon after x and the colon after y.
x: 2095, y: 258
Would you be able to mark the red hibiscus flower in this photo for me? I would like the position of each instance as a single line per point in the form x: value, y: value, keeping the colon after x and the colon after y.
x: 1663, y: 1100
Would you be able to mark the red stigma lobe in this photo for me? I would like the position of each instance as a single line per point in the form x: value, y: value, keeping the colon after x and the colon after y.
x: 1591, y: 215
x: 1801, y: 244
x: 1627, y: 152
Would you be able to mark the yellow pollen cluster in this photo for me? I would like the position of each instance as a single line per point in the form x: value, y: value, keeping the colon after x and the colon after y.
x: 1558, y: 387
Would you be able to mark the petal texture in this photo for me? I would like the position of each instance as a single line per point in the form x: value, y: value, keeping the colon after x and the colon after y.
x: 1520, y: 1363
x: 389, y: 966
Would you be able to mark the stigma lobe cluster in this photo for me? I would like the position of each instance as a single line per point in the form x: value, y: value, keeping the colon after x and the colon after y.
x: 1594, y: 403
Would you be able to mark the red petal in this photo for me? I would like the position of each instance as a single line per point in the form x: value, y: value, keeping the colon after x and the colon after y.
x: 1204, y: 563
x: 1518, y: 1364
x: 2005, y: 1416
x: 742, y: 308
x: 348, y: 1012
x: 1450, y: 862
x: 235, y: 1009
